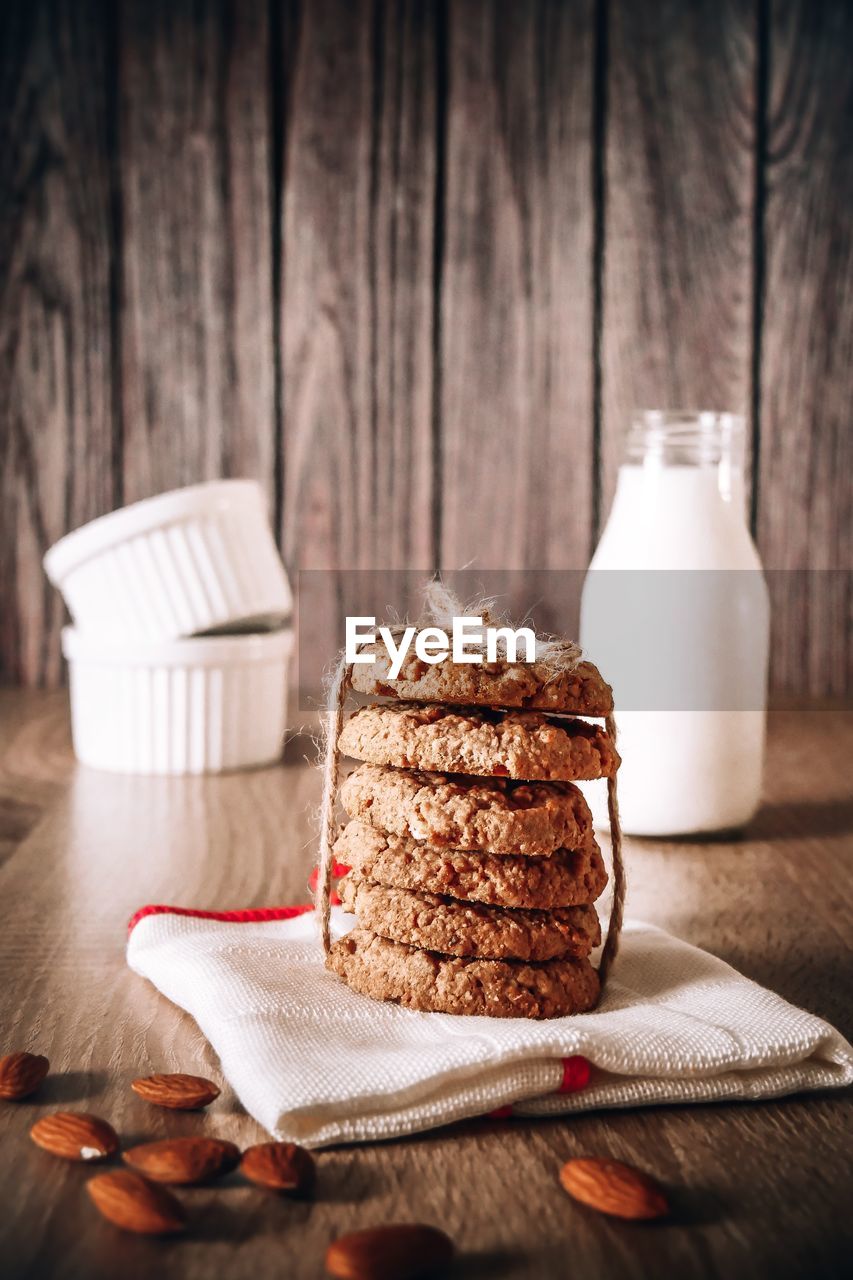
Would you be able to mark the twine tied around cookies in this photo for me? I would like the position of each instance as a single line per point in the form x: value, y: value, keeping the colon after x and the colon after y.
x: 556, y: 655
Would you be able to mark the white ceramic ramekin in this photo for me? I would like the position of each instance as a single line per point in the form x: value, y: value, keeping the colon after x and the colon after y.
x: 199, y: 705
x: 182, y: 563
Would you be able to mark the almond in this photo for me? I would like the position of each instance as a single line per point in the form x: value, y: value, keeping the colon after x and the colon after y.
x: 136, y: 1205
x: 613, y: 1187
x: 181, y: 1092
x: 75, y: 1135
x: 400, y: 1252
x: 280, y: 1165
x: 21, y: 1074
x: 183, y: 1161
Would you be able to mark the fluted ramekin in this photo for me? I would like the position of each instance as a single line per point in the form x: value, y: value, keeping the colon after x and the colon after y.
x: 199, y: 705
x: 185, y: 562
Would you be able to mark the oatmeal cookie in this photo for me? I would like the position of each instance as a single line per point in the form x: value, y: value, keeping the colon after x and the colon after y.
x: 565, y: 878
x: 469, y: 813
x: 477, y: 740
x: 531, y: 685
x: 470, y: 929
x: 436, y: 983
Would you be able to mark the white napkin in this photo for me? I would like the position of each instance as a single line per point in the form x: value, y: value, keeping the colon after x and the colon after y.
x: 316, y: 1063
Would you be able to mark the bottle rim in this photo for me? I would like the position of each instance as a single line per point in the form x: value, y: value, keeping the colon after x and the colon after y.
x: 693, y: 436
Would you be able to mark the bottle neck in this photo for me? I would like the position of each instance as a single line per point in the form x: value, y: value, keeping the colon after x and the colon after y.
x: 707, y: 442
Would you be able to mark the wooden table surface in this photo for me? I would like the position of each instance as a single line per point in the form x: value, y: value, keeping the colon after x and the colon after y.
x: 760, y: 1189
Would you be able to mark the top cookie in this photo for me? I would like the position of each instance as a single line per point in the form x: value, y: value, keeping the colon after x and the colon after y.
x: 526, y: 745
x: 530, y: 685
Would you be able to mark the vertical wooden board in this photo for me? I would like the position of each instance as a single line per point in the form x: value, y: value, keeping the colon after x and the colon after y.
x: 517, y: 287
x: 805, y: 476
x: 356, y: 319
x: 197, y: 332
x: 679, y: 178
x: 56, y: 386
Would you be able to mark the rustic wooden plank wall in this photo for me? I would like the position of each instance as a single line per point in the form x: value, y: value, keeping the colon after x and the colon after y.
x: 59, y: 393
x: 412, y: 264
x: 804, y: 401
x: 194, y: 244
x: 358, y: 169
x: 680, y: 149
x: 517, y: 286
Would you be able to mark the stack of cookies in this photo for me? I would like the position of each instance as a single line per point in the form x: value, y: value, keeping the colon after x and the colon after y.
x: 474, y: 867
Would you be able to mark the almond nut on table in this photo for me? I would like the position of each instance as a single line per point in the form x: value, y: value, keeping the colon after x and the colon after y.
x: 281, y: 1166
x: 75, y: 1135
x: 176, y: 1090
x: 133, y: 1204
x: 21, y: 1074
x: 183, y: 1161
x: 403, y: 1251
x: 614, y: 1188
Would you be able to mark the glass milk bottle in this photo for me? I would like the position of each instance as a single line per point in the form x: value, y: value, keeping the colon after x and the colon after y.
x: 676, y: 614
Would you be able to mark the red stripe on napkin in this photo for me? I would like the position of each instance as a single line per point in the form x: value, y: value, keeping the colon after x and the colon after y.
x: 576, y: 1073
x: 255, y: 915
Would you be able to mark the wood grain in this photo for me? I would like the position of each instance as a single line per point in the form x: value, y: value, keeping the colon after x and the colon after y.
x: 759, y: 1189
x: 412, y: 266
x: 516, y: 287
x: 805, y: 484
x: 357, y: 236
x: 197, y: 305
x: 57, y: 451
x: 677, y: 283
x: 35, y: 761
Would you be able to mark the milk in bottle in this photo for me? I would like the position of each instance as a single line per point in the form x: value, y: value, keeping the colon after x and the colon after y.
x: 675, y: 612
